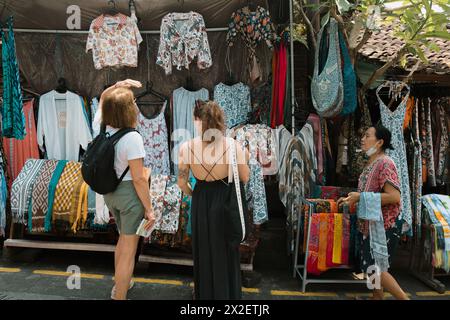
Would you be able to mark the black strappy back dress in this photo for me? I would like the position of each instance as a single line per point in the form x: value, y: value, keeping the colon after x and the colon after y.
x: 217, y: 273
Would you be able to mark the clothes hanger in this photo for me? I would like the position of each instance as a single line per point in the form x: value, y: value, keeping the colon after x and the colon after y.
x: 149, y: 91
x: 62, y: 85
x: 112, y: 10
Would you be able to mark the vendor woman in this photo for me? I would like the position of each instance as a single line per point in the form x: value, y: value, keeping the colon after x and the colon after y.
x: 380, y: 181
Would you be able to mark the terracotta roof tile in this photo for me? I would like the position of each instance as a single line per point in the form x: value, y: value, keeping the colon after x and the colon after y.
x: 384, y: 45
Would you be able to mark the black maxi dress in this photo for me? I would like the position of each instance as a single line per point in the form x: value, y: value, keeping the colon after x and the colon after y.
x: 217, y: 272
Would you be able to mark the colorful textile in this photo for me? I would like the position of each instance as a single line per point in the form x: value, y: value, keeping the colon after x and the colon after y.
x: 323, y: 237
x: 82, y: 208
x: 235, y: 102
x: 338, y: 239
x: 114, y: 41
x: 21, y: 190
x: 172, y: 204
x: 40, y: 196
x: 156, y: 144
x: 373, y: 178
x: 64, y: 209
x: 260, y: 99
x: 3, y: 199
x: 279, y: 86
x: 183, y: 37
x: 331, y: 232
x: 349, y: 79
x: 51, y: 192
x: 13, y: 118
x: 369, y: 208
x: 157, y: 192
x: 313, y: 248
x: 19, y: 151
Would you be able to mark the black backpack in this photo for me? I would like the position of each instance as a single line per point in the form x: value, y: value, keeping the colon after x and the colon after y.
x: 98, y: 162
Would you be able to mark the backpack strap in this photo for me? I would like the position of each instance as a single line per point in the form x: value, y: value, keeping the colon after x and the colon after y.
x: 115, y: 138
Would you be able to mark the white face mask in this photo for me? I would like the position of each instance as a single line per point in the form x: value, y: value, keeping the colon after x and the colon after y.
x: 371, y: 151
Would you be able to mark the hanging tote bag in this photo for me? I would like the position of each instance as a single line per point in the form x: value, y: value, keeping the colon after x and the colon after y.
x: 349, y: 77
x: 236, y: 210
x: 326, y: 87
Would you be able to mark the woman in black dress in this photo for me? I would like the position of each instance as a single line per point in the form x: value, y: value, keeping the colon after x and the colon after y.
x: 217, y: 273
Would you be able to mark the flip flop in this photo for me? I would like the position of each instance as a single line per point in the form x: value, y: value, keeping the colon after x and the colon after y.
x: 113, y: 291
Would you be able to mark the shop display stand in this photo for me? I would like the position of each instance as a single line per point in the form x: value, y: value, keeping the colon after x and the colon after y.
x: 421, y: 265
x: 301, y: 269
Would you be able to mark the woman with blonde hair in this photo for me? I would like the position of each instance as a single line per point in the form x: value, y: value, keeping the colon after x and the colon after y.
x: 216, y: 258
x: 130, y: 202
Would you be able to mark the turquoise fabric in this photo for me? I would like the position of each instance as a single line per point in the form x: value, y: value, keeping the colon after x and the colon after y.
x: 51, y: 193
x: 3, y: 197
x: 13, y: 118
x: 369, y: 208
x: 193, y: 181
x: 349, y: 77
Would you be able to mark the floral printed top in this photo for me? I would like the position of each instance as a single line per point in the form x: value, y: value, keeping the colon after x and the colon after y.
x: 183, y: 37
x: 235, y: 102
x: 373, y: 179
x: 114, y: 41
x: 253, y: 27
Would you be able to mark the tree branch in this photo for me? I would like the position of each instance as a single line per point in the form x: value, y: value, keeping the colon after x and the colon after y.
x: 366, y: 36
x: 308, y: 25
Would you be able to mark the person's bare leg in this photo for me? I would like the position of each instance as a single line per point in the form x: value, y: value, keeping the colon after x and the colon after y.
x: 391, y: 285
x: 378, y: 294
x: 125, y: 265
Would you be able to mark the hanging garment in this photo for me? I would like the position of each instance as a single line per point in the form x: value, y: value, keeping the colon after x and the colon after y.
x: 235, y: 102
x: 183, y: 113
x: 349, y: 78
x: 314, y: 244
x: 282, y: 139
x: 154, y: 134
x: 157, y: 193
x: 326, y: 87
x: 172, y: 205
x: 21, y: 190
x: 66, y: 196
x: 102, y: 215
x: 3, y: 200
x: 183, y: 38
x: 429, y: 145
x: 417, y: 169
x: 279, y: 78
x: 394, y: 122
x: 217, y: 272
x: 62, y: 126
x: 114, y: 41
x: 19, y: 151
x: 307, y: 137
x: 338, y: 239
x: 95, y: 118
x: 369, y: 209
x: 442, y: 144
x: 40, y: 197
x: 254, y: 28
x: 261, y: 99
x: 13, y: 118
x: 315, y: 122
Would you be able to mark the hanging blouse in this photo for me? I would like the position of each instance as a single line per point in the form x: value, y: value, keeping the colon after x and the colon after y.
x: 3, y: 198
x: 183, y: 37
x: 114, y: 41
x: 62, y: 125
x: 254, y: 28
x: 235, y: 102
x: 19, y: 151
x: 156, y: 144
x: 13, y: 119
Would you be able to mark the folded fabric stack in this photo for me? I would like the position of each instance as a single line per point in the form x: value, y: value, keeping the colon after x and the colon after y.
x: 331, y: 237
x: 436, y: 209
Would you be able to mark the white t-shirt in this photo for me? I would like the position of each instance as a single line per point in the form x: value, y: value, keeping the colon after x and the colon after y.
x: 129, y: 147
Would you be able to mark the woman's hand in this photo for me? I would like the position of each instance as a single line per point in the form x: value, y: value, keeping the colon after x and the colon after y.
x: 352, y: 199
x: 150, y: 216
x: 128, y: 84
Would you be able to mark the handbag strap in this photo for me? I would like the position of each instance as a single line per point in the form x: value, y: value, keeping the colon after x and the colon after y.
x: 234, y: 165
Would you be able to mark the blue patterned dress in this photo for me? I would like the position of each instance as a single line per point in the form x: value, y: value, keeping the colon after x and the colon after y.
x: 235, y: 102
x: 394, y: 122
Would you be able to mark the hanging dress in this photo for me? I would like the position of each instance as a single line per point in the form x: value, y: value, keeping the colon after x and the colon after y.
x: 394, y: 122
x: 217, y: 272
x: 156, y: 144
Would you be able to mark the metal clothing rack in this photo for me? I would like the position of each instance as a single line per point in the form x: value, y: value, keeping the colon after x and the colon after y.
x: 301, y: 269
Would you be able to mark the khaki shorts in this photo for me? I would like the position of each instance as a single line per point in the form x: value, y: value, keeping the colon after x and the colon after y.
x: 126, y: 207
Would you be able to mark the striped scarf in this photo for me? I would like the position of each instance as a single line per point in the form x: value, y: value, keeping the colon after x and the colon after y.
x: 39, y: 196
x: 64, y: 210
x: 22, y: 188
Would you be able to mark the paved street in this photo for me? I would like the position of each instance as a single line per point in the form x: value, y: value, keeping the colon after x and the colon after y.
x: 42, y: 275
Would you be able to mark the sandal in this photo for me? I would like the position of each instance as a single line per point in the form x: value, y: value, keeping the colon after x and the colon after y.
x: 113, y: 291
